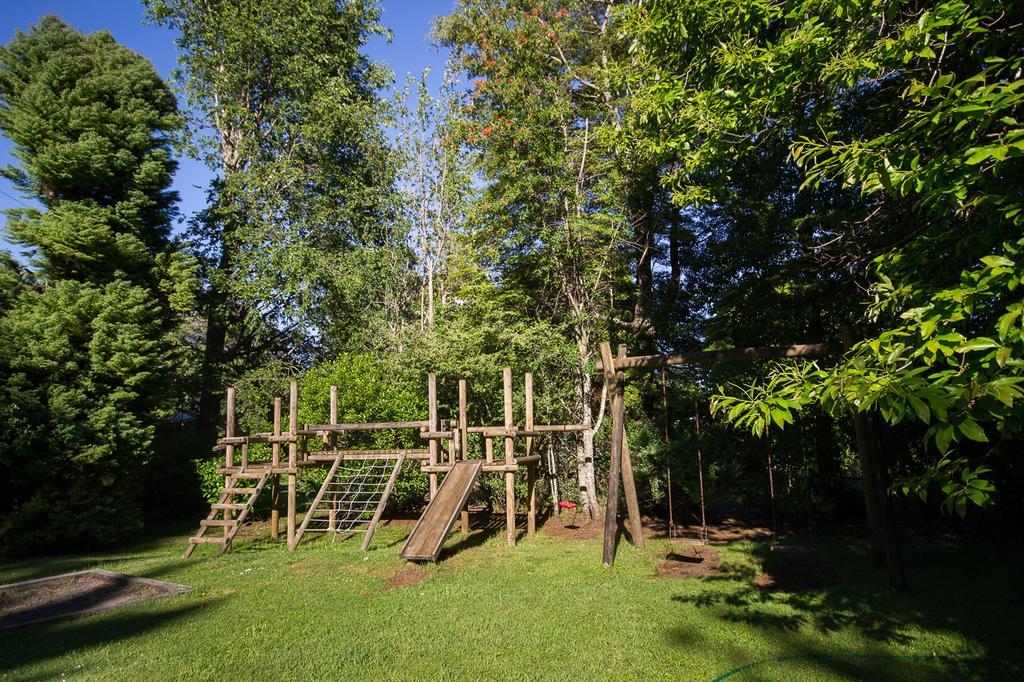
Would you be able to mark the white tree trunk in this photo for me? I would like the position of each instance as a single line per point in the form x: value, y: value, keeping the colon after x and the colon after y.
x: 585, y: 469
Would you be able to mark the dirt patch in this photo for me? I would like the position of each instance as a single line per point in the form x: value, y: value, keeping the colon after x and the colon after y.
x: 726, y: 530
x: 410, y: 575
x: 690, y: 564
x: 76, y: 594
x: 565, y: 528
x: 795, y: 571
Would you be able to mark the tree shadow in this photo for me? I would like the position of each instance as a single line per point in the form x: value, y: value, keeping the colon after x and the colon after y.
x: 970, y: 590
x: 33, y: 644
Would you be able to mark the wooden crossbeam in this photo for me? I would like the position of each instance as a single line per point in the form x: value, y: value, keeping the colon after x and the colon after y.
x: 369, y: 426
x: 803, y: 350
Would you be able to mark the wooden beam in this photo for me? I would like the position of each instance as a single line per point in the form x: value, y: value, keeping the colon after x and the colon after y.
x: 561, y: 428
x: 613, y: 380
x: 293, y: 453
x: 229, y: 451
x: 463, y: 420
x: 370, y: 426
x: 498, y: 467
x: 528, y: 385
x: 329, y: 455
x: 636, y: 529
x: 510, y: 477
x: 463, y: 442
x: 803, y: 350
x: 434, y: 426
x: 275, y: 480
x: 531, y: 496
x: 331, y: 441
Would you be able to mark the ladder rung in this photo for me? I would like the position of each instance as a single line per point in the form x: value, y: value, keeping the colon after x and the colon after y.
x: 218, y: 522
x: 228, y: 505
x: 206, y: 540
x: 240, y: 491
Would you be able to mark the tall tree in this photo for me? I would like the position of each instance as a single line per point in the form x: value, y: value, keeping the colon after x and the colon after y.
x: 89, y: 334
x: 915, y: 107
x: 285, y: 109
x: 553, y: 219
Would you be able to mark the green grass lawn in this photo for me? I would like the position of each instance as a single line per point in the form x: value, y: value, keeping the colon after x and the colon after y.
x: 544, y: 609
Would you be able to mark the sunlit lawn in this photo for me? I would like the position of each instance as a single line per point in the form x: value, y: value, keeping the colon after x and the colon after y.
x: 544, y: 609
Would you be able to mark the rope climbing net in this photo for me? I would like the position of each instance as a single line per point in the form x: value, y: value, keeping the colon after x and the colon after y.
x: 351, y: 496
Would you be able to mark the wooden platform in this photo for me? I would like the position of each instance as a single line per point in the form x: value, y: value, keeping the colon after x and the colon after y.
x: 424, y: 543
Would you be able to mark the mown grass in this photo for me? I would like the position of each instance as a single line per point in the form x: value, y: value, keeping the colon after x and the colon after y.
x: 545, y: 609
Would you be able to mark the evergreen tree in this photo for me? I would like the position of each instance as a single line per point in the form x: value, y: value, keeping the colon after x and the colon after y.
x: 87, y: 346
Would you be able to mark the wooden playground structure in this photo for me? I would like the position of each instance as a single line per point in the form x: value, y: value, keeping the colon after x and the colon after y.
x: 358, y: 482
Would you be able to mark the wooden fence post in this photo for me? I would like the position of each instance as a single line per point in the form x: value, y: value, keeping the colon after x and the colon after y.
x: 293, y: 451
x: 229, y: 450
x: 463, y: 441
x: 332, y: 441
x: 510, y: 477
x: 275, y: 483
x: 434, y: 427
x: 531, y: 468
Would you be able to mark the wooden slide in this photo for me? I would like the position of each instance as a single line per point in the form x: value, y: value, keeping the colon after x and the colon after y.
x: 424, y: 543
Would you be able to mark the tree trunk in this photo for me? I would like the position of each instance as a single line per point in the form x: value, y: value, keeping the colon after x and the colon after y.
x: 585, y: 470
x: 642, y: 214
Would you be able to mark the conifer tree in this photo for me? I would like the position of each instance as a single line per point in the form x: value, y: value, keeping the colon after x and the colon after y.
x: 88, y: 330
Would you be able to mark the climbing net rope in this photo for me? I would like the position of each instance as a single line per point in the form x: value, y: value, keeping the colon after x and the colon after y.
x: 351, y: 496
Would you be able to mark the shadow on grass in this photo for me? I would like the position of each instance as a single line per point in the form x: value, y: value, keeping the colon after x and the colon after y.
x: 34, y: 644
x: 481, y: 529
x: 970, y: 590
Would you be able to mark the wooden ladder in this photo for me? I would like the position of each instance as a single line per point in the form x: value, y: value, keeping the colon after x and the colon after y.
x: 225, y: 504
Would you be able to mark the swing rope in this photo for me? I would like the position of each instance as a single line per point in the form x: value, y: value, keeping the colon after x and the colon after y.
x: 668, y: 459
x: 700, y: 476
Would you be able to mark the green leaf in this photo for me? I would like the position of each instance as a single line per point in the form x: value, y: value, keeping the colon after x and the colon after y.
x: 972, y: 430
x: 980, y: 343
x: 997, y: 261
x: 977, y: 155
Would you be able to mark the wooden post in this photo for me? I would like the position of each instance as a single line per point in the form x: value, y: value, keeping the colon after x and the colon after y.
x: 293, y: 452
x: 531, y: 487
x: 275, y: 484
x: 463, y: 442
x: 434, y: 426
x: 636, y: 529
x: 489, y: 450
x: 332, y: 441
x: 528, y: 382
x: 613, y: 380
x: 463, y: 419
x: 531, y: 469
x: 229, y: 450
x: 510, y: 477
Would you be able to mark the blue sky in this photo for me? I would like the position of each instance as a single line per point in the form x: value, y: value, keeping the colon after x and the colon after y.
x: 410, y: 51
